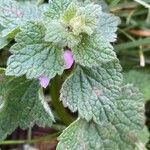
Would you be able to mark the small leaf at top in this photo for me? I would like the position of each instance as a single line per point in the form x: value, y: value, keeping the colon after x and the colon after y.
x: 70, y: 12
x: 56, y: 8
x: 59, y: 35
x: 76, y: 20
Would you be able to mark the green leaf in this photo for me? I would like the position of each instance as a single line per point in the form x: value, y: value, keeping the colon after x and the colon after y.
x: 91, y: 11
x: 58, y: 34
x: 56, y: 8
x: 3, y: 40
x: 93, y: 91
x: 93, y: 51
x: 107, y: 26
x: 21, y: 105
x: 143, y: 137
x: 90, y: 136
x: 120, y: 133
x: 140, y: 79
x: 33, y: 56
x: 73, y: 22
x: 13, y: 14
x: 23, y: 1
x: 70, y: 12
x: 102, y: 3
x: 86, y: 18
x: 78, y: 25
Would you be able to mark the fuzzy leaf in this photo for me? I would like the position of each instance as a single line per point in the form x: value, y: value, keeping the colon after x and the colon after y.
x: 23, y: 1
x: 86, y: 19
x: 56, y: 8
x: 70, y: 12
x: 58, y: 34
x: 21, y: 105
x: 76, y: 20
x: 90, y: 136
x: 3, y: 42
x: 33, y: 56
x: 93, y: 91
x: 93, y: 51
x: 13, y: 14
x: 140, y: 79
x: 120, y: 133
x: 107, y: 26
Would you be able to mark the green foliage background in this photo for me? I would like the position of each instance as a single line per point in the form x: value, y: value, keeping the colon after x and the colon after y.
x: 129, y: 46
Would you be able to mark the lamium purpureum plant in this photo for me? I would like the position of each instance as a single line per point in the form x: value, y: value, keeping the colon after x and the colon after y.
x: 65, y: 46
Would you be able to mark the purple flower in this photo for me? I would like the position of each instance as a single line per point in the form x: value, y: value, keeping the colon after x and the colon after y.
x: 44, y: 81
x: 68, y: 57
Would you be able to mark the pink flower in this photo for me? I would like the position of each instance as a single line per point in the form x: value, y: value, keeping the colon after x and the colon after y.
x: 44, y: 81
x: 68, y: 57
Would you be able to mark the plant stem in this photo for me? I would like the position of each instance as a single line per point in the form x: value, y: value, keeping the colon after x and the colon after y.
x: 29, y: 136
x: 46, y: 138
x: 59, y: 127
x: 59, y: 108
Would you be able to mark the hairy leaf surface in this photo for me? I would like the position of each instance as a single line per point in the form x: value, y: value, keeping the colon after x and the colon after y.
x: 107, y: 26
x: 58, y: 34
x: 3, y: 42
x: 33, y: 56
x: 140, y: 79
x: 120, y: 133
x: 22, y: 105
x: 93, y: 91
x: 13, y: 14
x: 56, y: 8
x: 93, y: 51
